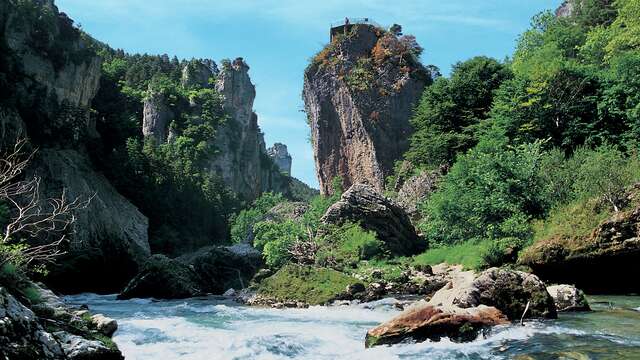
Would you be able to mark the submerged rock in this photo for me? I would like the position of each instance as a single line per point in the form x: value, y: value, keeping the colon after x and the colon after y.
x: 568, y: 298
x: 362, y: 204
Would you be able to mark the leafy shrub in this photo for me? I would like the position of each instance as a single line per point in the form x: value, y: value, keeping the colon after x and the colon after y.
x: 490, y: 193
x: 344, y: 246
x: 242, y: 222
x: 274, y: 239
x: 502, y: 251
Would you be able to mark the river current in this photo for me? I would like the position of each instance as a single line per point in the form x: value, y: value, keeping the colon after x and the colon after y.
x: 214, y: 328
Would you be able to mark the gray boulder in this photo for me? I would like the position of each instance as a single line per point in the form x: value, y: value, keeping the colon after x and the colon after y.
x: 568, y: 298
x: 213, y: 269
x: 78, y: 348
x: 163, y: 278
x: 105, y: 325
x: 362, y: 204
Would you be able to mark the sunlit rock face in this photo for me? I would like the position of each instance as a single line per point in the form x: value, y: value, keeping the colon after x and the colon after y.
x: 280, y: 156
x: 359, y: 96
x: 241, y: 158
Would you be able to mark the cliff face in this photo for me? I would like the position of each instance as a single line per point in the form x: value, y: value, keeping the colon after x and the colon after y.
x: 280, y: 156
x: 242, y: 158
x: 48, y: 77
x: 359, y: 93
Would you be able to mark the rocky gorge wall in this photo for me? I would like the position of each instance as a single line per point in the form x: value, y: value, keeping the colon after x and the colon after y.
x: 242, y: 160
x: 359, y: 93
x: 49, y: 76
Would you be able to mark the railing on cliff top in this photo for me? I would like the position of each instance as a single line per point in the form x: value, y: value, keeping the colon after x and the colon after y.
x: 355, y: 21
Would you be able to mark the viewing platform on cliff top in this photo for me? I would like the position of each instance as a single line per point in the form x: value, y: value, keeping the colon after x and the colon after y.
x: 344, y: 26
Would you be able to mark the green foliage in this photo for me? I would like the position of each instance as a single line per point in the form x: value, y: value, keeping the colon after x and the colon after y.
x: 468, y: 254
x: 347, y: 245
x: 242, y: 222
x: 274, y: 239
x: 311, y: 285
x: 449, y: 115
x: 489, y: 193
x: 361, y: 77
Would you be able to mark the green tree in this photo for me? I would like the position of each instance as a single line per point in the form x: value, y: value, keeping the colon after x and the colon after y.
x: 447, y: 119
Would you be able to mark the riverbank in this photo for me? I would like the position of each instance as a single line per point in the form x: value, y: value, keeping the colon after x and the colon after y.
x: 198, y: 328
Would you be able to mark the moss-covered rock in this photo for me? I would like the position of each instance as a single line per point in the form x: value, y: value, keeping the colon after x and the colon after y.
x: 307, y: 284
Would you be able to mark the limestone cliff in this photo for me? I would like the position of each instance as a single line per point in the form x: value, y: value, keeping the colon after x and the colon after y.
x: 242, y: 159
x: 280, y: 156
x: 359, y: 93
x: 48, y: 77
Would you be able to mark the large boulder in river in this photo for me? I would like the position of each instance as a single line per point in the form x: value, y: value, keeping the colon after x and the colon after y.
x: 510, y: 291
x: 163, y: 278
x: 423, y: 322
x: 224, y: 267
x: 568, y: 298
x: 212, y: 269
x: 468, y: 304
x: 362, y: 204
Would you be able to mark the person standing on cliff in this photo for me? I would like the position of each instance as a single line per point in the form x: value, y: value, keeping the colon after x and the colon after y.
x: 346, y: 21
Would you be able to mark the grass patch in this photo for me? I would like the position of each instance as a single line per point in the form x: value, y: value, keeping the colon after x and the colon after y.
x: 312, y: 285
x: 573, y: 222
x: 467, y: 254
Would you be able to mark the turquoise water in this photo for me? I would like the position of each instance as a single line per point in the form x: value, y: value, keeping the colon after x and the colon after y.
x: 210, y: 328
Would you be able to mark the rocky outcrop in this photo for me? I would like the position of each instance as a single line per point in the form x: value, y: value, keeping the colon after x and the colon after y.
x: 198, y: 73
x: 593, y: 262
x: 363, y: 204
x: 280, y: 156
x: 211, y: 270
x: 568, y: 298
x: 243, y: 161
x: 567, y: 9
x: 52, y: 77
x: 109, y: 238
x: 157, y: 116
x: 49, y: 75
x: 417, y: 189
x: 51, y: 332
x: 467, y: 305
x: 359, y: 93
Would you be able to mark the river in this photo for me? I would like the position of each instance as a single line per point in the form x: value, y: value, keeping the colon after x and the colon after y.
x: 214, y: 328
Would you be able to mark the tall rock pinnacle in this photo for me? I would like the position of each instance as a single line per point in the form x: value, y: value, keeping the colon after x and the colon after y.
x: 359, y: 93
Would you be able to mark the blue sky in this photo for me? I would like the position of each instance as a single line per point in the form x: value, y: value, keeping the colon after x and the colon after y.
x: 277, y: 38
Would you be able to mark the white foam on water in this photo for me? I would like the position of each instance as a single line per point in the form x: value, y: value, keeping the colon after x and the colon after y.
x: 197, y: 329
